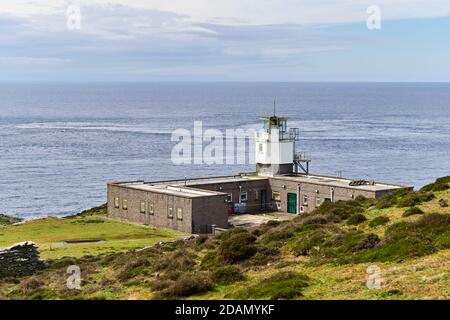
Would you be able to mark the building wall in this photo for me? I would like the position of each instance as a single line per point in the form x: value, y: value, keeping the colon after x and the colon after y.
x: 252, y: 187
x: 271, y: 150
x: 198, y: 214
x: 274, y: 169
x: 161, y: 205
x: 316, y: 194
x: 209, y: 211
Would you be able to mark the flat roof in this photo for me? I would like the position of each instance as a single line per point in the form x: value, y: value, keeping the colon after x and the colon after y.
x: 341, y: 182
x: 170, y: 189
x: 186, y: 187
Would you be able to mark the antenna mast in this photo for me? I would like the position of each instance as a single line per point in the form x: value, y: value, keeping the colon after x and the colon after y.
x: 274, y: 106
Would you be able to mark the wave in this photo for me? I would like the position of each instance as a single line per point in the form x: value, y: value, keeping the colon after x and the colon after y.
x: 92, y: 126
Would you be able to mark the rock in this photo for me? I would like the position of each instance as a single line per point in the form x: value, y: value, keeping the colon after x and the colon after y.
x: 20, y: 259
x: 443, y: 203
x: 370, y: 241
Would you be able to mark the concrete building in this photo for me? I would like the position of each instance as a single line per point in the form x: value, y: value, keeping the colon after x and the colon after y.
x: 196, y: 205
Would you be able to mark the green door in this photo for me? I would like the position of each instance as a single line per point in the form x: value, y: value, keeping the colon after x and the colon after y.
x: 292, y: 202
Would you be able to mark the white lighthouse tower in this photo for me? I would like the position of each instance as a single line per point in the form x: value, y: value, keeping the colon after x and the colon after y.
x: 275, y: 147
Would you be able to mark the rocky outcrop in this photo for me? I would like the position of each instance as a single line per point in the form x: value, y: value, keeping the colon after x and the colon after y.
x: 21, y: 259
x: 7, y: 220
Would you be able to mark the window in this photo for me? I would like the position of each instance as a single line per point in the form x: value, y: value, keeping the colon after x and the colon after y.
x: 305, y: 200
x: 302, y: 209
x: 125, y: 204
x: 260, y: 148
x: 327, y: 200
x: 244, y: 196
x: 229, y: 198
x: 116, y: 203
x: 276, y: 196
x: 317, y: 201
x: 180, y: 213
x: 283, y: 126
x: 142, y: 207
x: 170, y: 213
x: 256, y: 194
x: 150, y: 208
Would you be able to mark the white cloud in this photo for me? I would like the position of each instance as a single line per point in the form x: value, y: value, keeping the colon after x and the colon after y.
x: 187, y: 37
x: 253, y: 11
x: 34, y: 61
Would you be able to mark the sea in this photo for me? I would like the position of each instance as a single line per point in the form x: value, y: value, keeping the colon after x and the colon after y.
x: 61, y: 143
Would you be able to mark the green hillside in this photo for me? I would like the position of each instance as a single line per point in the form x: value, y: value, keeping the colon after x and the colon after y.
x: 323, y: 255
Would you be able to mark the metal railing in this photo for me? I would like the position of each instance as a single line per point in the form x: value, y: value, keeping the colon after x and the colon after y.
x: 302, y: 156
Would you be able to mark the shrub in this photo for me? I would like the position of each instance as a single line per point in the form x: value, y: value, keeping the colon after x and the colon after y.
x: 273, y: 223
x: 414, y: 198
x: 133, y: 268
x: 264, y: 256
x: 440, y: 184
x: 200, y: 240
x: 378, y: 221
x: 277, y: 235
x: 320, y: 219
x: 211, y: 244
x: 309, y: 240
x: 411, y: 239
x: 187, y: 285
x: 237, y: 247
x: 179, y: 260
x: 281, y: 285
x: 31, y: 285
x: 269, y: 225
x: 370, y: 241
x: 412, y: 211
x: 257, y: 232
x: 159, y: 284
x: 391, y: 199
x: 390, y: 293
x: 96, y: 211
x: 385, y: 202
x: 210, y: 261
x: 7, y: 220
x: 356, y: 219
x: 339, y: 246
x: 229, y: 233
x: 342, y: 209
x: 227, y: 275
x: 443, y: 203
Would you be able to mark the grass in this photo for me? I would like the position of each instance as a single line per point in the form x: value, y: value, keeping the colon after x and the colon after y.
x: 324, y: 255
x: 280, y: 285
x: 50, y: 234
x: 412, y: 211
x: 378, y: 221
x: 227, y: 275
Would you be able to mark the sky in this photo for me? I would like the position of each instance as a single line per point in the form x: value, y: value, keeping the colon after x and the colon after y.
x: 226, y: 40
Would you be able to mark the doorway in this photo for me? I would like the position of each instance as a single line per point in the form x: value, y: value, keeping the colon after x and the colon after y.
x: 292, y: 203
x: 263, y: 200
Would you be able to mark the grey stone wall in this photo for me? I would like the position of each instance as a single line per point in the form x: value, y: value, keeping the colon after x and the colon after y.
x: 316, y: 193
x: 161, y: 204
x: 209, y: 211
x: 21, y: 259
x: 194, y: 218
x: 252, y: 187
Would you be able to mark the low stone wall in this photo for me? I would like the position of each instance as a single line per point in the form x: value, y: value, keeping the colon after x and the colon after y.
x: 21, y: 259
